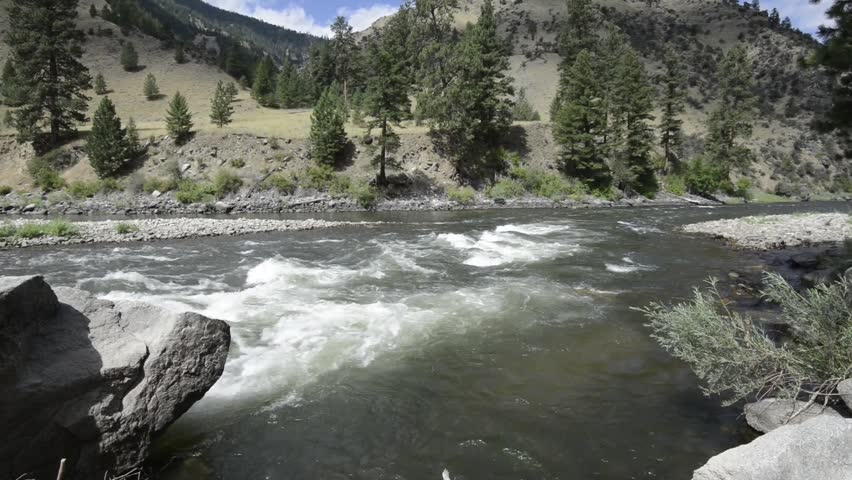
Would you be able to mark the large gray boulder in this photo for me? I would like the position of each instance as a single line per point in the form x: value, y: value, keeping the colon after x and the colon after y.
x: 771, y: 413
x: 845, y: 391
x: 95, y: 381
x: 816, y: 449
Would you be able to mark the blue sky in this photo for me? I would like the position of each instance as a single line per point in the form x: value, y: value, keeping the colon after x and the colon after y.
x: 315, y: 16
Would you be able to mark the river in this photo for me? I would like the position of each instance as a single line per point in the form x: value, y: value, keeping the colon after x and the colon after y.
x: 493, y: 344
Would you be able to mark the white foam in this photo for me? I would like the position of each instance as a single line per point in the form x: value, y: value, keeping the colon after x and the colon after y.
x: 638, y: 228
x: 629, y: 266
x: 510, y: 244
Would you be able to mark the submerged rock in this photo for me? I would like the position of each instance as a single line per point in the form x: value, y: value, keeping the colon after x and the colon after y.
x: 771, y: 413
x: 818, y: 448
x: 95, y: 381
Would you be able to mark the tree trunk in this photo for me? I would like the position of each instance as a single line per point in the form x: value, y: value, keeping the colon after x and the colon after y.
x: 52, y: 102
x: 382, y: 178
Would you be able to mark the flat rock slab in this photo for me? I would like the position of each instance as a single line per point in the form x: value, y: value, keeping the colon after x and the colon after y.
x: 770, y: 413
x: 820, y: 448
x: 778, y: 231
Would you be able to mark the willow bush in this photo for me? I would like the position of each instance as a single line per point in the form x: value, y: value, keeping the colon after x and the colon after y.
x: 734, y: 356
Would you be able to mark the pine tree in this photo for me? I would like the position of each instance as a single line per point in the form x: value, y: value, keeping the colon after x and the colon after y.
x: 14, y: 95
x: 835, y: 54
x: 343, y: 46
x: 129, y: 57
x: 328, y: 137
x: 580, y: 124
x: 133, y: 145
x: 178, y: 119
x: 786, y: 24
x: 321, y: 69
x: 386, y: 99
x: 221, y: 109
x: 289, y: 86
x: 93, y: 11
x: 434, y: 47
x: 755, y: 4
x: 578, y: 32
x: 734, y: 114
x: 107, y: 142
x: 100, y: 85
x: 475, y: 111
x: 231, y: 91
x: 150, y: 88
x: 180, y: 56
x: 522, y: 110
x: 634, y: 102
x: 609, y: 54
x: 264, y: 82
x: 672, y: 106
x: 46, y: 48
x: 774, y: 18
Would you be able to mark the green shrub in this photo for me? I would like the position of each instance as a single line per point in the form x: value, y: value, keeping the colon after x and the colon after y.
x: 45, y: 174
x: 125, y: 228
x: 319, y: 177
x: 60, y: 228
x: 193, y: 192
x: 162, y: 185
x: 733, y: 355
x: 81, y: 189
x: 463, y: 195
x: 606, y: 193
x: 557, y: 187
x: 30, y: 230
x: 743, y: 188
x: 675, y: 184
x: 7, y: 230
x: 283, y: 183
x: 364, y: 193
x: 5, y: 190
x: 226, y: 182
x: 705, y: 178
x: 238, y: 163
x: 109, y: 185
x: 339, y: 186
x: 506, y: 188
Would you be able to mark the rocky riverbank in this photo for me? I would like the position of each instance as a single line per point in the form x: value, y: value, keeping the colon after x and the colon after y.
x: 778, y: 231
x: 120, y: 203
x: 140, y: 230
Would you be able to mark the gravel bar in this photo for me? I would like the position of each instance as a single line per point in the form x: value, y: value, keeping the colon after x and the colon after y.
x: 144, y: 230
x: 778, y: 231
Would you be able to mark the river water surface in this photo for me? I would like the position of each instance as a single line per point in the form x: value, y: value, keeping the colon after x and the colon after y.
x: 496, y: 345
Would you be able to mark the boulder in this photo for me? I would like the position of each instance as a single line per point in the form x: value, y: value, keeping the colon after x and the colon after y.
x: 771, y: 413
x: 818, y: 448
x: 94, y: 381
x: 845, y: 391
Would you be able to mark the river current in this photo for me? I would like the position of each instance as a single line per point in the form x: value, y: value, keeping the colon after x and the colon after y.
x: 495, y: 345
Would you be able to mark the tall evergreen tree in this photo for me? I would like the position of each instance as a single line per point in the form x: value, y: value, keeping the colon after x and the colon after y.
x: 476, y: 108
x: 150, y: 88
x: 634, y: 102
x: 231, y: 90
x: 292, y: 91
x: 107, y: 142
x: 132, y: 143
x: 321, y: 68
x: 178, y: 118
x: 672, y: 106
x: 328, y: 137
x: 263, y: 87
x: 221, y: 109
x: 835, y: 54
x: 129, y: 57
x: 386, y: 99
x: 46, y: 48
x: 580, y: 123
x: 93, y: 11
x: 734, y: 114
x: 180, y: 55
x: 774, y: 18
x: 343, y: 46
x: 435, y: 50
x: 610, y: 51
x: 578, y: 32
x: 100, y: 84
x: 522, y: 110
x: 14, y: 94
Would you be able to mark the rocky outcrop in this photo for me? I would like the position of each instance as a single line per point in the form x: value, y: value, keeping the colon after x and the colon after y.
x: 94, y: 381
x: 818, y: 448
x: 779, y: 231
x: 771, y: 413
x: 844, y: 388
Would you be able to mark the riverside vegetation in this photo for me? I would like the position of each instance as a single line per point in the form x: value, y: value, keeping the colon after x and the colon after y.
x: 606, y: 148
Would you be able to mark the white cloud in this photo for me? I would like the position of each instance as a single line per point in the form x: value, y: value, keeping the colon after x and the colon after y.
x: 362, y: 18
x: 295, y: 17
